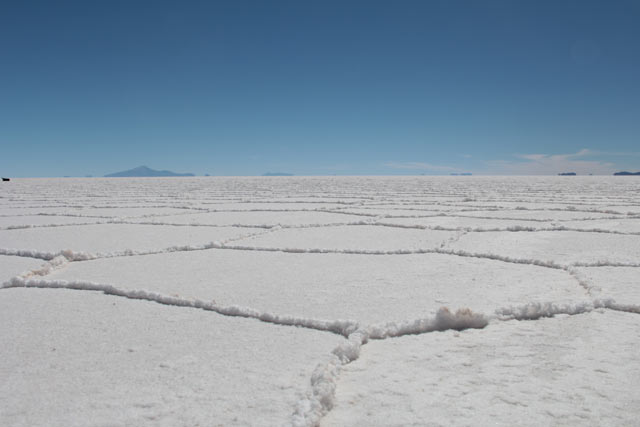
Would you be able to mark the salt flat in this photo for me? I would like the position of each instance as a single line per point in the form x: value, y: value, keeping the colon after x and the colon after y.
x: 264, y: 216
x: 29, y: 221
x: 556, y: 246
x: 107, y: 238
x: 319, y: 301
x: 79, y: 359
x: 569, y: 370
x: 366, y: 288
x: 352, y: 238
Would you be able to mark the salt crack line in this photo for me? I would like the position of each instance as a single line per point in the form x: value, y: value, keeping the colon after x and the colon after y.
x: 535, y: 311
x: 320, y: 398
x: 480, y: 208
x: 48, y: 256
x: 129, y: 221
x: 224, y: 245
x: 341, y: 212
x: 340, y: 327
x: 369, y: 222
x: 443, y: 320
x: 583, y: 281
x: 27, y: 226
x: 263, y: 225
x: 87, y: 256
x: 72, y: 215
x: 515, y: 228
x: 178, y: 224
x: 605, y: 264
x: 49, y: 267
x: 252, y: 235
x: 454, y: 215
x: 441, y: 251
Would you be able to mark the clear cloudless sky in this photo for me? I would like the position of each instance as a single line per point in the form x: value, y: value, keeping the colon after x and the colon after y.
x: 319, y: 87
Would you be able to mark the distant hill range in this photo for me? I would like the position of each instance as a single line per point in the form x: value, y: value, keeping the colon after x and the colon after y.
x: 462, y: 174
x: 277, y: 174
x: 143, y: 171
x: 625, y: 173
x: 567, y: 174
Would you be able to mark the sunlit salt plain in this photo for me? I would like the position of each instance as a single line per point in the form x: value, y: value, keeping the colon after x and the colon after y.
x: 333, y: 301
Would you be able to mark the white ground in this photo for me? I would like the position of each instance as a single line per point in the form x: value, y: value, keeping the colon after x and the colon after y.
x: 306, y: 301
x: 566, y: 370
x: 78, y: 359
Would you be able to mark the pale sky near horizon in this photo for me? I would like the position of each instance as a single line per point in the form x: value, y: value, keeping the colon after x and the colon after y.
x: 320, y: 87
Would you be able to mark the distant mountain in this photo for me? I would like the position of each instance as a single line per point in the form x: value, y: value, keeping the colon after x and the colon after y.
x: 462, y: 174
x: 625, y: 173
x: 567, y: 174
x: 142, y: 171
x: 277, y: 174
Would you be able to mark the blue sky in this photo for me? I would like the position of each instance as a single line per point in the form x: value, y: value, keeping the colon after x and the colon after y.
x: 319, y: 87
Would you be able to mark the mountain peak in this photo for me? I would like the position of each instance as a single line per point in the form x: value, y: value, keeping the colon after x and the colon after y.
x: 145, y: 171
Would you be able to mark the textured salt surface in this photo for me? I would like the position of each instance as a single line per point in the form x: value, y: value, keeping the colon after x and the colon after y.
x: 368, y: 288
x: 569, y: 370
x: 298, y: 301
x: 79, y: 359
